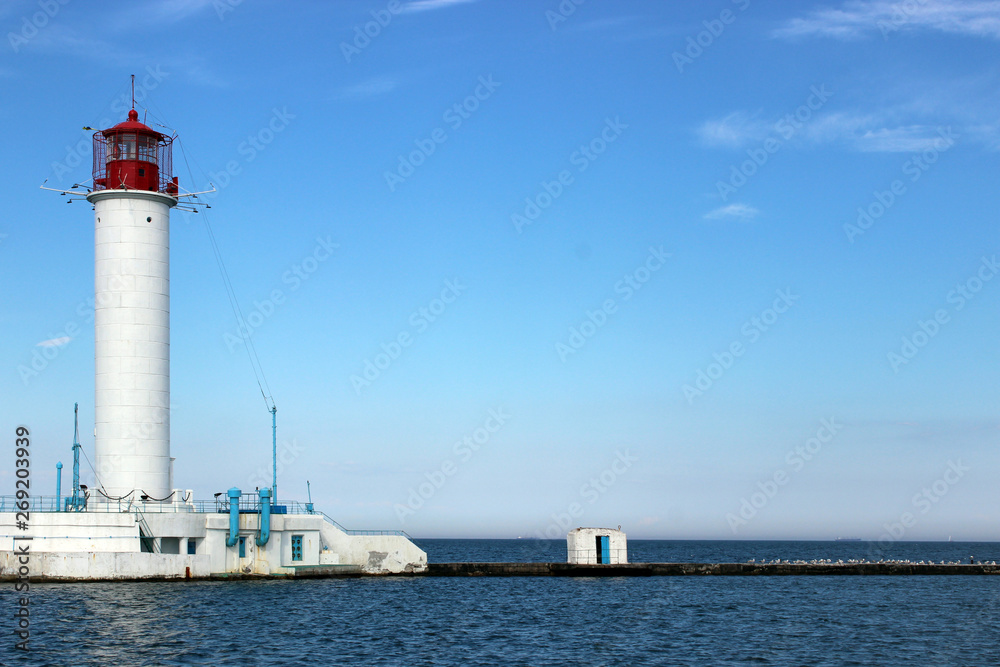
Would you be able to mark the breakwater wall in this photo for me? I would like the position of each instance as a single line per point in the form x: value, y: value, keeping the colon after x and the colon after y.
x: 578, y: 570
x: 700, y: 569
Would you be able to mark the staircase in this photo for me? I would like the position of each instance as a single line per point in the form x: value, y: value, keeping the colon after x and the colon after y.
x: 146, y: 538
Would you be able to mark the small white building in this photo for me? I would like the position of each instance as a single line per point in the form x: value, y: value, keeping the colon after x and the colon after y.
x: 596, y: 546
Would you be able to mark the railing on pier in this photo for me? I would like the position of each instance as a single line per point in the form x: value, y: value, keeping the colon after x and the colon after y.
x: 34, y: 504
x: 614, y: 556
x: 295, y: 507
x: 249, y: 503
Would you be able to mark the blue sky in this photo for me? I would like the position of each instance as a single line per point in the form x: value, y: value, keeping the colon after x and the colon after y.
x: 705, y: 270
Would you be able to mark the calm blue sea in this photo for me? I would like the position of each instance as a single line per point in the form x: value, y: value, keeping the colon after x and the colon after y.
x: 923, y: 620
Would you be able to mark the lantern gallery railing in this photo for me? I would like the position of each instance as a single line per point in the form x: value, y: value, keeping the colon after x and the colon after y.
x: 133, y: 158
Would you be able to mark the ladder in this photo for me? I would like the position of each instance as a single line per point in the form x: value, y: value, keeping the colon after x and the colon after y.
x: 145, y: 534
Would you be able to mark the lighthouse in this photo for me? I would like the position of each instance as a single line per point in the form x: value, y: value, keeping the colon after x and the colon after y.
x: 132, y: 195
x: 133, y: 523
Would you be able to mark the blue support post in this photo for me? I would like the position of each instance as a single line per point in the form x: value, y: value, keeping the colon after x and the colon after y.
x: 76, y: 502
x: 309, y: 505
x: 265, y: 517
x: 274, y: 454
x: 234, y: 516
x: 59, y: 486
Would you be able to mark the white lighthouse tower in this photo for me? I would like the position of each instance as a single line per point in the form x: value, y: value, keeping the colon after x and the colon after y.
x: 132, y: 197
x: 134, y: 524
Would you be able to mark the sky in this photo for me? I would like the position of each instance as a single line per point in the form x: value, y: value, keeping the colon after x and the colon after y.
x: 705, y: 270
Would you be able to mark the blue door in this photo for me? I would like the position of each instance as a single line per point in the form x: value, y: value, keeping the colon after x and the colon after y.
x: 296, y: 547
x: 243, y: 547
x: 603, y: 549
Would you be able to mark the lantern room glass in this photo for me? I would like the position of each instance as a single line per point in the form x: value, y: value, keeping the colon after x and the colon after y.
x: 129, y: 146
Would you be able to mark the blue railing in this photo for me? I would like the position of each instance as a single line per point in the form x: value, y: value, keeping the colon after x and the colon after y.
x: 249, y: 503
x: 35, y: 504
x: 295, y: 507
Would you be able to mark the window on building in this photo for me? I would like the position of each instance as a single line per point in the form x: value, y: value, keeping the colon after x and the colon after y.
x: 192, y: 546
x: 296, y: 547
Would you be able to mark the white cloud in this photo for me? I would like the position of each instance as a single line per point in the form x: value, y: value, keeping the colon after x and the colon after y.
x: 988, y: 134
x: 855, y: 19
x: 736, y: 130
x: 736, y: 211
x: 137, y: 16
x: 428, y: 5
x: 837, y: 126
x: 54, y: 342
x: 369, y: 88
x: 176, y: 10
x: 873, y: 133
x: 609, y: 23
x: 60, y: 39
x: 867, y: 133
x: 912, y: 139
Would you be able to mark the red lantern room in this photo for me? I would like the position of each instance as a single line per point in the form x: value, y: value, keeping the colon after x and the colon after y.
x: 132, y: 156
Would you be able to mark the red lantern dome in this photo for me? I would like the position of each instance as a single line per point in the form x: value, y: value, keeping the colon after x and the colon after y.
x: 133, y: 156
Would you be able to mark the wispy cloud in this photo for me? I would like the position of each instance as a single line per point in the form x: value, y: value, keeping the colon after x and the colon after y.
x: 194, y: 68
x: 428, y: 5
x: 63, y: 40
x: 54, y: 342
x: 608, y: 23
x: 172, y: 11
x: 855, y: 19
x: 913, y: 138
x: 988, y: 134
x: 630, y: 28
x: 59, y: 39
x: 736, y: 130
x: 867, y: 133
x: 163, y: 12
x: 741, y: 212
x: 369, y: 88
x: 874, y: 133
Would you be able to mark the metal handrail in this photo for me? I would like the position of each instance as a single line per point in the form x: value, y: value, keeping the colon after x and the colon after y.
x: 248, y: 502
x: 617, y: 555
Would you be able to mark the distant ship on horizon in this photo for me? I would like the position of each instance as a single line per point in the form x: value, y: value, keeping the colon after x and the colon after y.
x: 848, y: 539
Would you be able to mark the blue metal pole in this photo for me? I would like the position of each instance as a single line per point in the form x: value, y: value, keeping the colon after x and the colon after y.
x: 75, y: 503
x: 309, y: 505
x: 234, y: 516
x: 59, y: 486
x: 265, y: 517
x: 274, y: 454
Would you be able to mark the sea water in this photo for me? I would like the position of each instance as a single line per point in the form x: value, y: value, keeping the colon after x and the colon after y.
x: 808, y: 620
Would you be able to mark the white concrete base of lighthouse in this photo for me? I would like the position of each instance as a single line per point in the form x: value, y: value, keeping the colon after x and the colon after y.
x: 110, y: 545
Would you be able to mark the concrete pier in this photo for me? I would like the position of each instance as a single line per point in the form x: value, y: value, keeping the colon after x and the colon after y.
x: 699, y: 569
x: 559, y: 570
